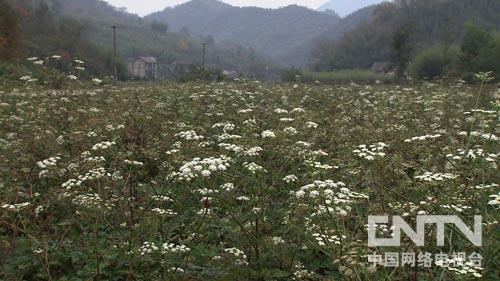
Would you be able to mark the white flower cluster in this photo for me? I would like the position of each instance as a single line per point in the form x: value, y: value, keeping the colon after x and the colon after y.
x: 303, y: 274
x: 253, y: 151
x: 147, y: 248
x: 323, y: 239
x: 94, y: 174
x: 226, y: 136
x: 485, y: 186
x: 280, y: 111
x: 238, y: 254
x: 50, y: 162
x: 168, y: 248
x: 243, y: 111
x: 335, y: 195
x: 231, y: 147
x: 430, y: 177
x: 71, y: 183
x: 277, y: 240
x: 206, y: 191
x: 202, y: 167
x: 91, y: 201
x: 227, y: 186
x: 423, y: 138
x: 319, y: 165
x: 189, y: 135
x: 457, y: 266
x: 133, y: 163
x: 227, y: 126
x: 268, y: 134
x: 164, y: 212
x: 97, y: 81
x: 371, y: 152
x: 103, y: 145
x: 39, y: 210
x: 16, y: 207
x: 290, y: 131
x: 488, y: 112
x: 253, y: 167
x: 297, y: 110
x: 410, y: 208
x: 456, y: 207
x: 290, y: 179
x: 473, y: 154
x: 491, y: 137
x: 28, y: 79
x: 97, y: 159
x: 495, y: 200
x: 303, y: 144
x: 176, y: 270
x: 312, y: 125
x: 161, y: 198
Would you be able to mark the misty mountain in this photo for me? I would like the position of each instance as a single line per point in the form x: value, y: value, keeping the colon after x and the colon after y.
x: 301, y: 55
x: 273, y: 32
x: 347, y: 7
x: 83, y: 28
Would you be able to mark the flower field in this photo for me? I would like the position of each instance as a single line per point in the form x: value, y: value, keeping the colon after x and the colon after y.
x: 244, y: 181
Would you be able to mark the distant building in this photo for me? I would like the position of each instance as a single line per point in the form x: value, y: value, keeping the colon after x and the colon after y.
x: 230, y: 74
x: 143, y: 67
x: 383, y: 67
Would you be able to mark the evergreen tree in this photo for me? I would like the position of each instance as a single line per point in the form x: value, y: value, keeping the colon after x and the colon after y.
x: 9, y: 32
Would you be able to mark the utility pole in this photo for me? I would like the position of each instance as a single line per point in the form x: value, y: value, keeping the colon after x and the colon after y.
x: 114, y: 52
x: 204, y: 50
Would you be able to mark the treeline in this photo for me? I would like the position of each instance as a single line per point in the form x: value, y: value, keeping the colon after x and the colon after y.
x: 9, y: 32
x: 479, y: 51
x: 40, y: 30
x: 81, y: 29
x: 412, y: 30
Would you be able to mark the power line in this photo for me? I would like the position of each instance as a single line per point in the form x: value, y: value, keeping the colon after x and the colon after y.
x: 114, y: 51
x: 204, y: 51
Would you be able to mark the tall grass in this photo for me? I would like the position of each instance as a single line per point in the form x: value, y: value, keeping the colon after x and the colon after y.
x: 354, y: 75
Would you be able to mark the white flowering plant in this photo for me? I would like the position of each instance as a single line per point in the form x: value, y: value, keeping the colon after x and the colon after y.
x: 240, y: 181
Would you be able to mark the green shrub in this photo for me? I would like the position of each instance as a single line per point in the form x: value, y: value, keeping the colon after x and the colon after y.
x: 429, y: 64
x: 291, y: 75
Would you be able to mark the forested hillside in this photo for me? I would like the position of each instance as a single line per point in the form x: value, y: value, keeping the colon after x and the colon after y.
x: 273, y: 32
x: 82, y: 28
x: 429, y: 22
x: 301, y: 56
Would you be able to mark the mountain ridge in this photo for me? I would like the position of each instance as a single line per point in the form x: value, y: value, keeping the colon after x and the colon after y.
x: 272, y: 32
x: 347, y: 7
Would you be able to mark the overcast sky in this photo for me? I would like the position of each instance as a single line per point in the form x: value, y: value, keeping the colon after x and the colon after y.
x: 144, y: 7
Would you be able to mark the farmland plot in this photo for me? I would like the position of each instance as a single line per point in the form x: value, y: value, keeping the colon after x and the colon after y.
x: 244, y: 181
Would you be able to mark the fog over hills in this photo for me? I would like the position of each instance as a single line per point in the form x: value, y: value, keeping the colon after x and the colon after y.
x: 273, y: 32
x: 346, y: 7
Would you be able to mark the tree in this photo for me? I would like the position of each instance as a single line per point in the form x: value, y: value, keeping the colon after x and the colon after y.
x: 448, y: 36
x: 185, y: 31
x: 401, y: 48
x: 159, y: 27
x: 428, y: 64
x: 209, y: 40
x: 476, y: 39
x: 9, y: 32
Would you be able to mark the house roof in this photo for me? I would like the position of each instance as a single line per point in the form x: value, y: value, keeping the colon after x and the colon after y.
x: 144, y: 59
